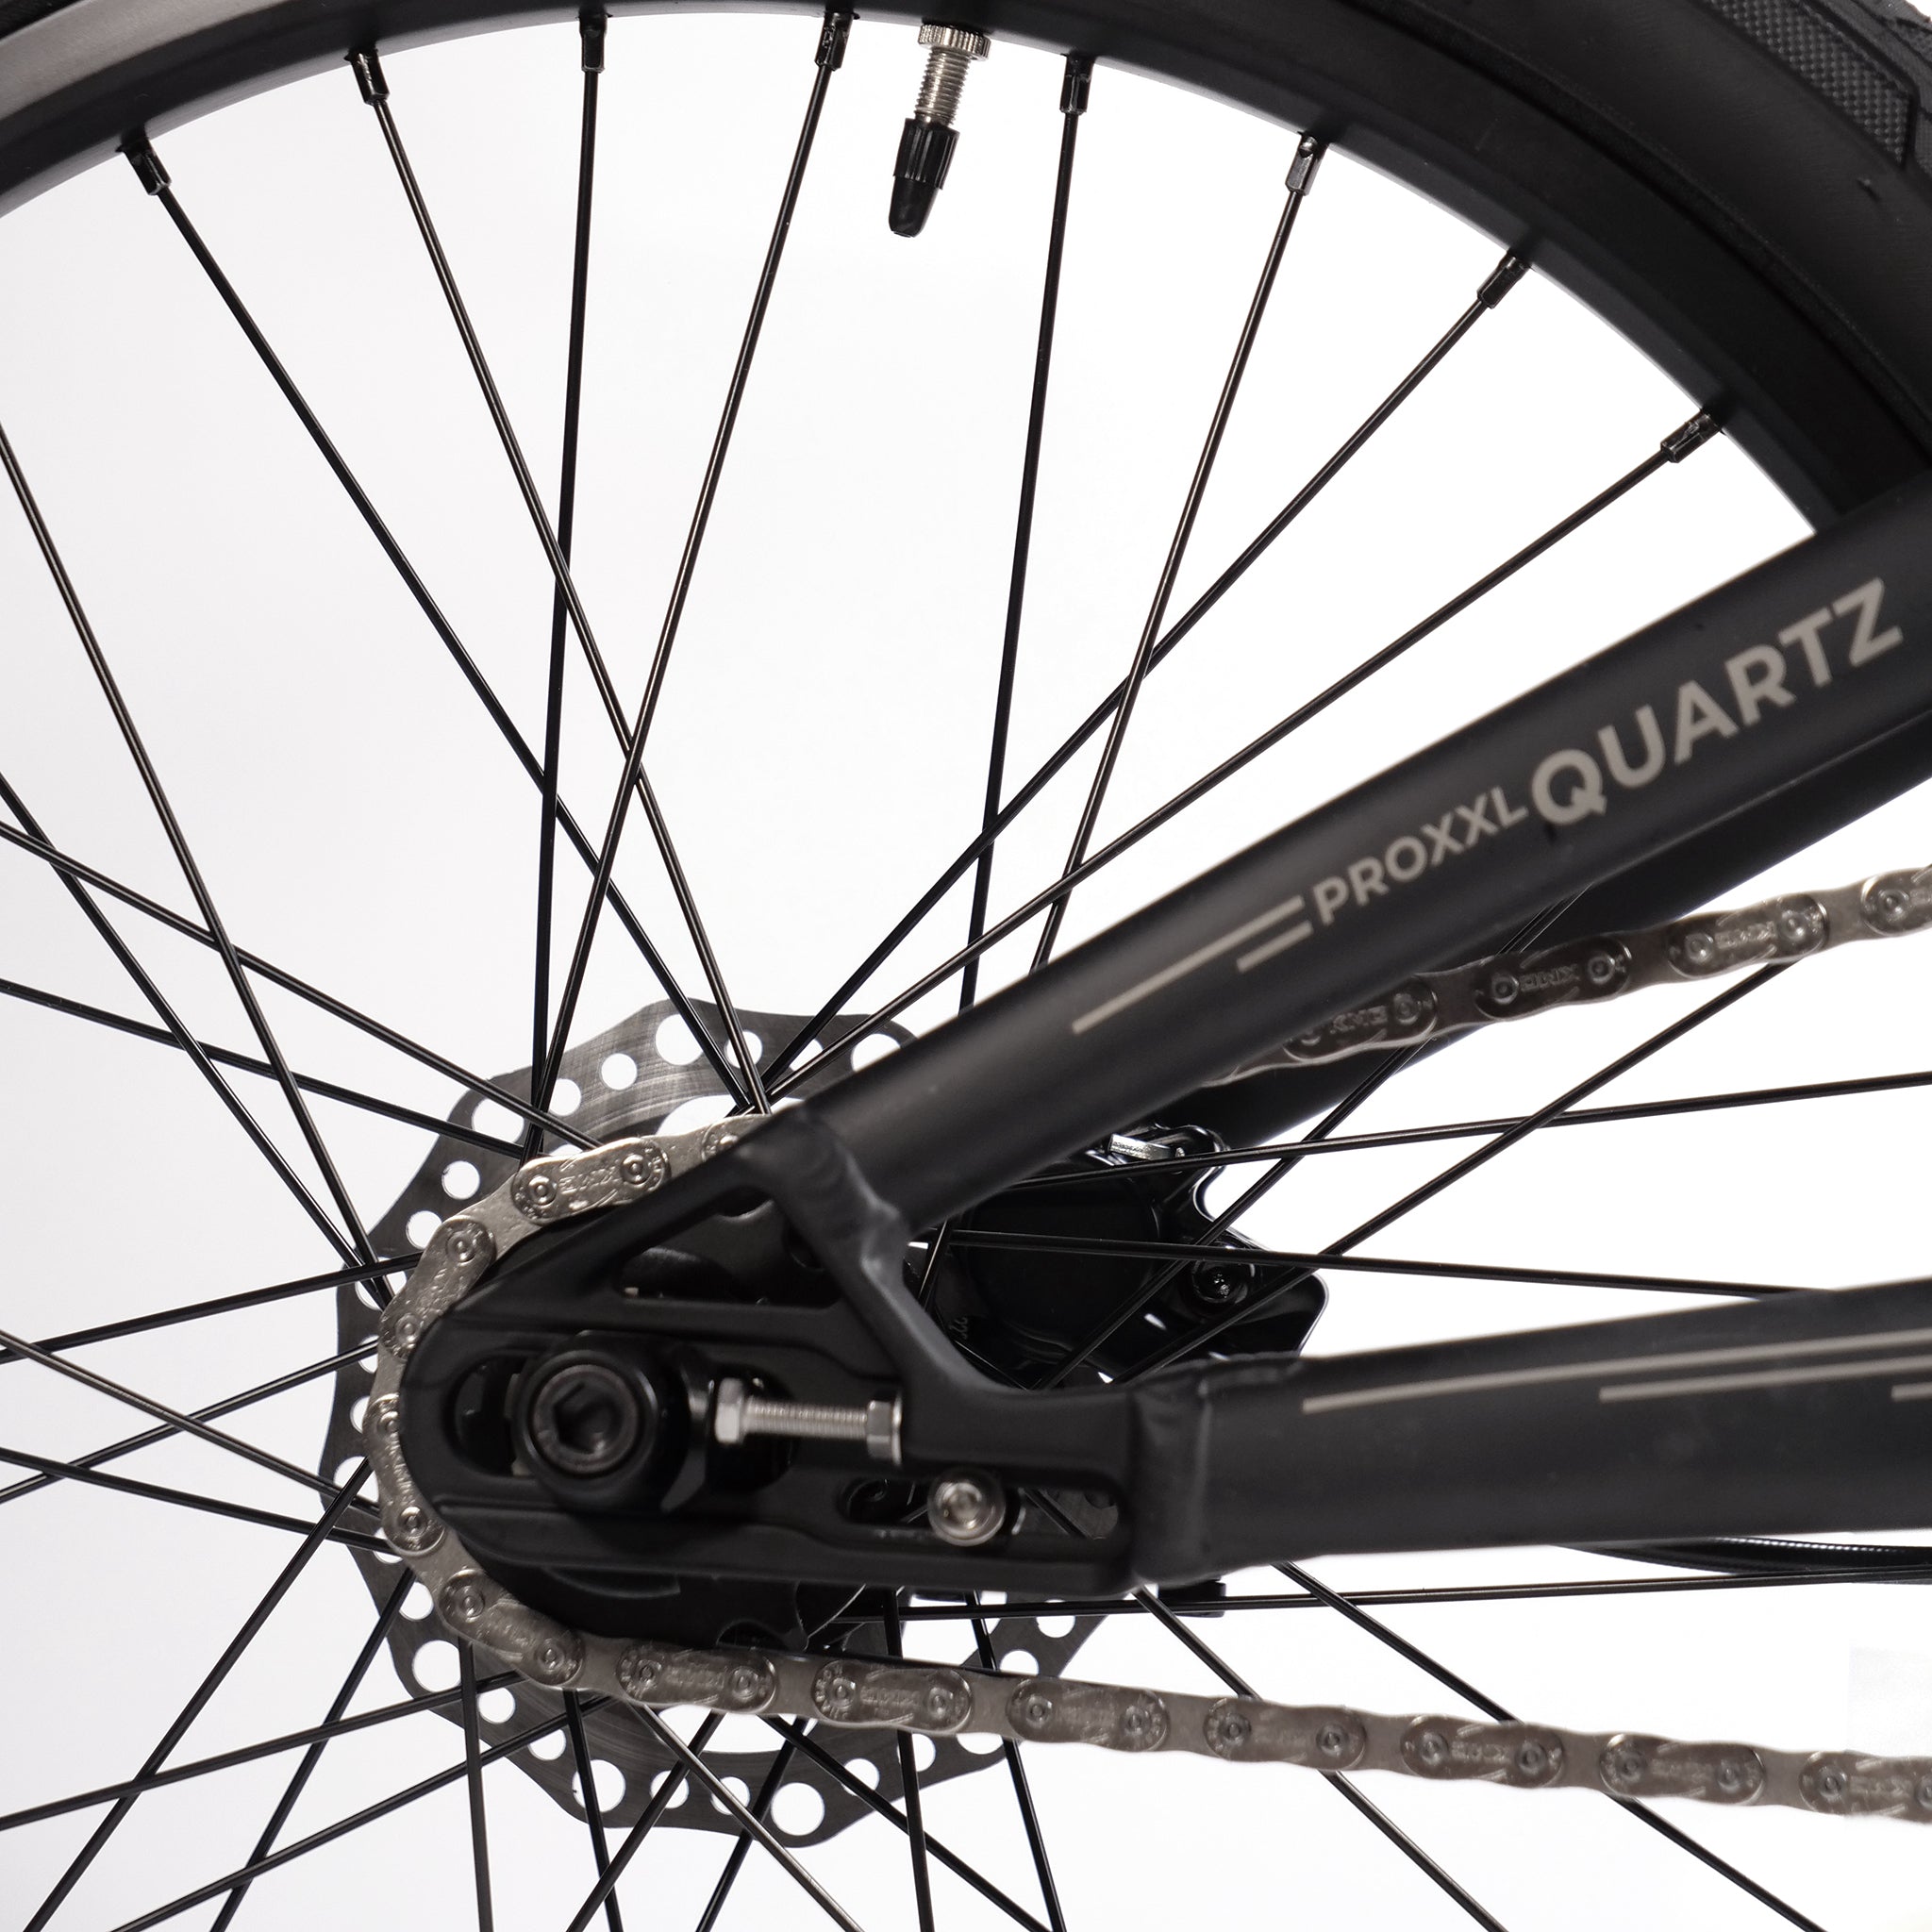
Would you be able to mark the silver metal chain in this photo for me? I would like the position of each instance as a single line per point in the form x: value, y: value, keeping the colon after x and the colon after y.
x: 940, y: 1700
x: 1513, y: 986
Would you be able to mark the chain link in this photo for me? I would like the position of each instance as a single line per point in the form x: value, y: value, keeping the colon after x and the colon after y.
x: 940, y: 1700
x: 1585, y: 972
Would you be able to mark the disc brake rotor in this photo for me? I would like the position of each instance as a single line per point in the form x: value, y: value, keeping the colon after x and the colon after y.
x: 624, y: 1082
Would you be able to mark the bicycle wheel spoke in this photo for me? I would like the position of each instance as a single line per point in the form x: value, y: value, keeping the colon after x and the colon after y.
x: 1673, y: 449
x: 154, y: 177
x: 340, y: 1499
x: 330, y: 1834
x: 1185, y: 1252
x: 728, y: 1799
x: 186, y: 1425
x: 587, y: 1785
x: 247, y: 1753
x: 220, y: 1305
x: 761, y: 1807
x: 339, y: 1705
x: 1481, y: 1129
x: 472, y: 1765
x: 156, y: 1492
x: 1463, y: 1688
x: 1073, y: 92
x: 830, y: 54
x: 909, y: 1785
x: 660, y: 1801
x: 1500, y: 281
x: 1023, y: 1792
x: 1372, y: 1812
x: 1301, y: 176
x: 200, y: 1050
x: 884, y: 1808
x: 184, y: 857
x: 70, y: 867
x: 1474, y: 1594
x: 174, y: 1031
x: 1500, y: 1144
x: 128, y: 1444
x: 591, y: 39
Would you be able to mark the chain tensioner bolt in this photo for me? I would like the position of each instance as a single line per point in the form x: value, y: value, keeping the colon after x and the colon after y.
x: 925, y: 145
x: 737, y: 1414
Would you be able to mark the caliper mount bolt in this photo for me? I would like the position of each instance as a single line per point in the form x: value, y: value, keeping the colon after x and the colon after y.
x: 925, y: 146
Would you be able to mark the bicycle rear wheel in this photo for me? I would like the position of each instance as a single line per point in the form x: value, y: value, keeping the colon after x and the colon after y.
x: 1748, y: 203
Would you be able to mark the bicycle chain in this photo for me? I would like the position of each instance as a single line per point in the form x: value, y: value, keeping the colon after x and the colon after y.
x: 1585, y: 972
x: 944, y: 1701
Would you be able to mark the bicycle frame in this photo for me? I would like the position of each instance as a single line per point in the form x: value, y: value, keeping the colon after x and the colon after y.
x: 1772, y: 1416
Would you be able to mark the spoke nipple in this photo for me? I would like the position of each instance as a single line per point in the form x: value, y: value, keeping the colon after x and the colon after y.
x: 592, y: 24
x: 368, y: 71
x: 1078, y: 85
x: 1307, y: 157
x: 146, y: 164
x: 1502, y: 277
x: 1692, y: 435
x: 833, y: 34
x: 926, y: 143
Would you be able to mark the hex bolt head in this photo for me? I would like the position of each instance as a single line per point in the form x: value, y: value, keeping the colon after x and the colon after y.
x: 586, y: 1418
x: 966, y: 1508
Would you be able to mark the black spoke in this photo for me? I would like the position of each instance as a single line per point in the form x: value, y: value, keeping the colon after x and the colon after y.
x: 176, y: 1420
x: 56, y: 1469
x: 660, y: 1801
x: 1073, y: 92
x: 1372, y: 1812
x: 831, y: 53
x: 1301, y: 175
x: 337, y: 1726
x: 154, y: 176
x: 592, y: 37
x: 1463, y: 1688
x: 1500, y: 281
x: 73, y: 868
x: 184, y: 857
x: 174, y: 1031
x: 1488, y: 1152
x: 1023, y: 1793
x: 1671, y: 451
x: 761, y: 1807
x: 370, y: 1814
x: 1472, y: 1130
x: 758, y: 1830
x: 884, y: 1808
x: 473, y: 1769
x: 219, y: 1305
x: 1916, y: 1571
x: 200, y: 1050
x: 593, y: 1811
x: 372, y: 1648
x: 908, y: 1786
x: 1186, y: 1251
x: 375, y: 87
x: 340, y: 1502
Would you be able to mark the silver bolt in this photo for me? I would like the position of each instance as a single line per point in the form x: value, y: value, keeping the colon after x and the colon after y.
x: 966, y: 1508
x: 737, y: 1415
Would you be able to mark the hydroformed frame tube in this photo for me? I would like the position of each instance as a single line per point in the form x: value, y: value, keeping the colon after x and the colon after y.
x: 1807, y: 659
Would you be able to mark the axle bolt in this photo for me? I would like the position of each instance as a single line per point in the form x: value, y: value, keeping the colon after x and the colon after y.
x: 925, y: 146
x: 966, y: 1508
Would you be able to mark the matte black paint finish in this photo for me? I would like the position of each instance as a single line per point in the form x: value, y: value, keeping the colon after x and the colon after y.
x: 998, y: 1092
